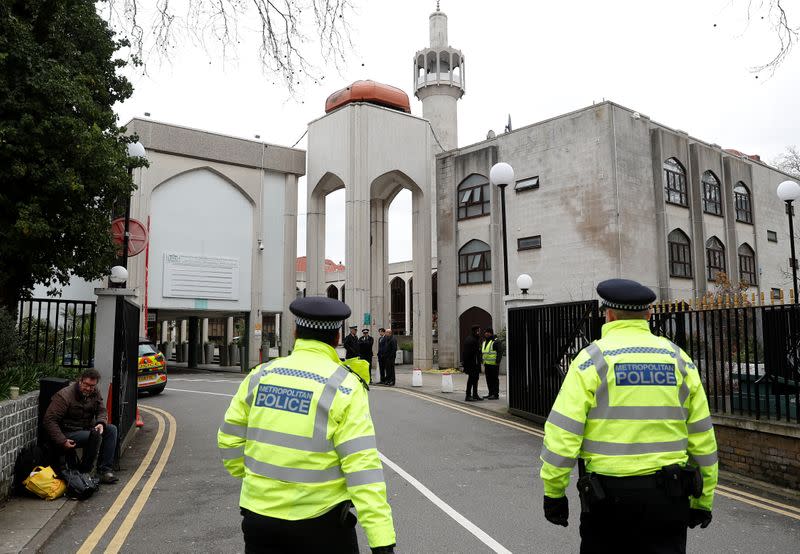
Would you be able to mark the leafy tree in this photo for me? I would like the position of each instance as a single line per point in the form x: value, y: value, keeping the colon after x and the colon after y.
x: 63, y: 161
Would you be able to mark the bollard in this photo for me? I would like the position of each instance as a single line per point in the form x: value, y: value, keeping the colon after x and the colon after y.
x: 416, y: 378
x: 447, y: 382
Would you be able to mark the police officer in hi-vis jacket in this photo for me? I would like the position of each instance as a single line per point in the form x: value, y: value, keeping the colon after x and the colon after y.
x: 633, y: 414
x: 299, y: 434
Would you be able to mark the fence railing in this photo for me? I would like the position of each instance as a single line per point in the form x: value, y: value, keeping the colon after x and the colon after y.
x: 56, y: 331
x: 748, y: 355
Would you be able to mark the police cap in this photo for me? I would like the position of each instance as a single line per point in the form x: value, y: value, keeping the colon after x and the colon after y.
x: 624, y: 294
x: 319, y: 312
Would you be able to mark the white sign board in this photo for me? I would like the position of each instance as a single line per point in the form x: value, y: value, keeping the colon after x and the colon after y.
x: 187, y: 276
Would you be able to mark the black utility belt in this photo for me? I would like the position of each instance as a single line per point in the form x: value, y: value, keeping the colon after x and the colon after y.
x: 674, y: 480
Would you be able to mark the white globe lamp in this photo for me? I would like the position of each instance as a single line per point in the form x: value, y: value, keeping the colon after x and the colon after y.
x: 119, y: 275
x: 524, y: 282
x: 501, y: 174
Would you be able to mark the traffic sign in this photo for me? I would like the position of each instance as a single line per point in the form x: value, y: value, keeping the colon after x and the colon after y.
x: 137, y: 241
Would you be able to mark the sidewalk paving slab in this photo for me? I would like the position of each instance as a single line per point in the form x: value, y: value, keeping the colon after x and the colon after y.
x: 26, y: 522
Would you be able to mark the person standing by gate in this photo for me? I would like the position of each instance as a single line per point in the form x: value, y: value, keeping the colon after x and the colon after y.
x: 388, y: 356
x: 300, y: 436
x: 365, y: 343
x: 632, y: 406
x: 491, y: 355
x: 471, y: 359
x: 350, y: 343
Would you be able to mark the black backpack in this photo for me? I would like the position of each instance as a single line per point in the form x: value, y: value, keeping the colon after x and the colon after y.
x: 28, y: 458
x: 80, y: 486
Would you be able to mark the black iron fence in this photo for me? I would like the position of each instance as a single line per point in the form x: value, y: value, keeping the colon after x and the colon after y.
x: 748, y: 355
x: 60, y: 332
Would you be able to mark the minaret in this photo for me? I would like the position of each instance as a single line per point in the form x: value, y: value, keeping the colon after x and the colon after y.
x: 439, y: 81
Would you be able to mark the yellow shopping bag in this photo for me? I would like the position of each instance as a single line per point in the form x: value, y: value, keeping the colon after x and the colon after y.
x: 43, y: 483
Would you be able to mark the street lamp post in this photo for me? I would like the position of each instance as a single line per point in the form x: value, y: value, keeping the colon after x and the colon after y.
x: 135, y: 150
x: 789, y: 191
x: 502, y: 175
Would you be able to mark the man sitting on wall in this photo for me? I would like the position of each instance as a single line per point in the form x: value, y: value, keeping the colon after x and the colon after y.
x: 77, y: 418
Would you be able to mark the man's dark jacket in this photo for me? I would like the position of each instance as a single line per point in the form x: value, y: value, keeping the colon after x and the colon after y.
x: 350, y: 344
x: 70, y: 411
x: 365, y: 347
x: 389, y: 348
x: 471, y: 354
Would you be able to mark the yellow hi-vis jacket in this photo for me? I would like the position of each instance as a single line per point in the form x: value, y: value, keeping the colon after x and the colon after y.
x: 631, y: 404
x: 299, y: 433
x: 488, y: 353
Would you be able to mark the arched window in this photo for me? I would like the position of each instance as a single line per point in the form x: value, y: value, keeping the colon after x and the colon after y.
x: 744, y: 209
x: 675, y: 183
x: 474, y: 263
x: 747, y: 265
x: 397, y: 297
x: 333, y: 292
x: 712, y: 198
x: 473, y: 197
x: 715, y: 257
x: 680, y: 254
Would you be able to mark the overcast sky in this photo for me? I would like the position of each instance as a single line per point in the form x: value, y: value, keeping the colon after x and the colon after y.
x: 684, y: 63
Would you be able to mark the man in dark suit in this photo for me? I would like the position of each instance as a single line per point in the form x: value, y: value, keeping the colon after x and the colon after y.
x: 350, y: 344
x: 381, y: 353
x: 390, y: 349
x: 471, y: 359
x: 365, y: 343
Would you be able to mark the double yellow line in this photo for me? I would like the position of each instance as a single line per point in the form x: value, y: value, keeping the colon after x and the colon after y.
x: 124, y: 529
x: 722, y: 490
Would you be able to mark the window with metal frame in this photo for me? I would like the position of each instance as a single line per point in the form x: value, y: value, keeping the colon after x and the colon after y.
x: 772, y: 236
x: 715, y: 257
x: 675, y: 183
x: 712, y: 198
x: 473, y: 197
x: 529, y: 243
x: 747, y: 265
x: 527, y: 184
x: 680, y: 254
x: 775, y: 294
x: 474, y: 263
x: 744, y: 207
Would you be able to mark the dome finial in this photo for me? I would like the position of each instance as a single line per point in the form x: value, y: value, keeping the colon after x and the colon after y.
x: 437, y: 5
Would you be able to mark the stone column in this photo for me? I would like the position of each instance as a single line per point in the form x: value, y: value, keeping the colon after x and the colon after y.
x: 407, y: 301
x: 357, y: 255
x: 284, y: 325
x: 423, y: 341
x: 379, y: 261
x: 205, y: 330
x: 184, y: 328
x: 315, y: 244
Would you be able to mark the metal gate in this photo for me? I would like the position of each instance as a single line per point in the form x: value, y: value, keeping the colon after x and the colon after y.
x: 542, y: 341
x: 126, y: 350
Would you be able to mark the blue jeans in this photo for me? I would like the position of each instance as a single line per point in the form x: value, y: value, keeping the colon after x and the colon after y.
x: 93, y: 443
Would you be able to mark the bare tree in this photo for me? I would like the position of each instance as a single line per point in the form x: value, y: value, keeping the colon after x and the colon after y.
x: 287, y: 30
x: 786, y: 30
x: 789, y: 161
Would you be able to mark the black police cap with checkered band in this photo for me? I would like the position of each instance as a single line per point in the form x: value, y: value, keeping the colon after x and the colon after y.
x: 319, y: 312
x: 624, y: 294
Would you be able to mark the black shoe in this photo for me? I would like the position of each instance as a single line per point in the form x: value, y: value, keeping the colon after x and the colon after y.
x: 492, y: 397
x: 389, y: 383
x: 108, y: 478
x: 477, y: 398
x: 469, y: 399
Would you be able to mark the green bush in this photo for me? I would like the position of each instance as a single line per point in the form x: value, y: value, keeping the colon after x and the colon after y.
x: 407, y: 346
x: 9, y: 340
x: 26, y: 375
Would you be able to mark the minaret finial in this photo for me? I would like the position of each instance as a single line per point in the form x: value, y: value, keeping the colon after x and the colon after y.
x: 437, y: 5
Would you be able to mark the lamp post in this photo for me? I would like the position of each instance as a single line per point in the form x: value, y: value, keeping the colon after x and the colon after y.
x: 524, y: 282
x: 502, y: 175
x: 135, y: 150
x: 789, y: 191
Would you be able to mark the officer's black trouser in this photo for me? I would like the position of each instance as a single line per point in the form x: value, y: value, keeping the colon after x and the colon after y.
x: 637, y: 520
x: 492, y: 379
x: 327, y: 533
x: 473, y: 376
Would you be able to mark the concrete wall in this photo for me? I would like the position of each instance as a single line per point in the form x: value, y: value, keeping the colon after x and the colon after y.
x: 18, y: 426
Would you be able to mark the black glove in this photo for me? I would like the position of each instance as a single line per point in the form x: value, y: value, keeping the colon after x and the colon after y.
x: 383, y: 549
x: 699, y: 517
x: 556, y: 510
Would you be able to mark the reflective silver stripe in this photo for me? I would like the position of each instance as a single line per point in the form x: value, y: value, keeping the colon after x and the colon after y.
x: 356, y: 445
x: 683, y: 394
x: 231, y: 453
x: 287, y: 440
x: 291, y: 474
x: 600, y: 364
x: 556, y: 459
x: 565, y: 422
x: 704, y: 460
x: 624, y: 449
x: 700, y: 426
x: 253, y: 383
x: 233, y: 429
x: 324, y: 405
x: 364, y: 477
x: 639, y: 412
